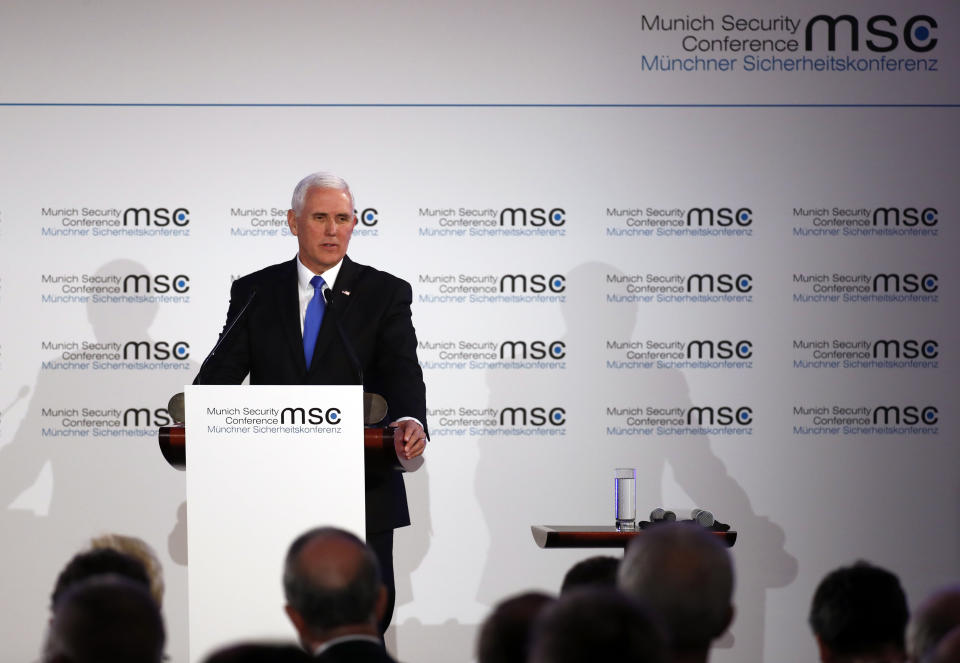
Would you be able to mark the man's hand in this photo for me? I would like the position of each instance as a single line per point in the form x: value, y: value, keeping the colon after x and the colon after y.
x: 408, y: 438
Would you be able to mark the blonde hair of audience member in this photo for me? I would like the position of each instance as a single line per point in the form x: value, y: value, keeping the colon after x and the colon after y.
x: 141, y: 551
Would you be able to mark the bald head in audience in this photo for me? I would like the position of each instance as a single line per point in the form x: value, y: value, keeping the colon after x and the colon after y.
x: 332, y: 584
x: 685, y: 576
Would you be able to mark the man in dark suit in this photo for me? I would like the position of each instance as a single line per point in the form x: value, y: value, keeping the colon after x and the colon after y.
x: 323, y: 319
x: 335, y: 598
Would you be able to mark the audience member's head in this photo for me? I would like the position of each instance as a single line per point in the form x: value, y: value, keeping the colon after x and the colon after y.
x: 93, y: 563
x: 140, y: 550
x: 594, y: 571
x: 105, y: 619
x: 331, y: 580
x: 859, y: 611
x: 685, y: 576
x: 256, y: 652
x: 938, y: 614
x: 505, y: 634
x: 597, y: 624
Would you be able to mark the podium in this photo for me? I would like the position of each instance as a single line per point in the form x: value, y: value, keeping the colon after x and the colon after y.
x: 266, y: 464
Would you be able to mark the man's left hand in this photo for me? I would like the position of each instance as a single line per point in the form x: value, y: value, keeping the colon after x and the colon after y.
x: 409, y: 435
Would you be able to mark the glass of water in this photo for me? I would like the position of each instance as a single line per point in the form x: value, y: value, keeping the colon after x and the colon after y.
x: 625, y: 497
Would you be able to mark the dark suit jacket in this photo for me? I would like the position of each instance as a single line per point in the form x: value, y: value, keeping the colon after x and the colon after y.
x: 372, y: 308
x: 355, y: 651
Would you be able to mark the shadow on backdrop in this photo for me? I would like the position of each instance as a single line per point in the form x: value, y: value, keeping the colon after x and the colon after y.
x: 97, y: 483
x: 524, y: 481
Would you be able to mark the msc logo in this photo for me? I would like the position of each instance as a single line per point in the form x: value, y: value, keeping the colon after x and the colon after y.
x: 917, y: 32
x: 906, y: 216
x: 910, y: 415
x: 134, y: 417
x: 909, y: 349
x: 313, y: 416
x: 368, y: 216
x: 724, y: 216
x: 159, y: 283
x: 537, y: 416
x: 535, y: 283
x: 719, y: 283
x: 160, y: 350
x: 905, y: 283
x: 721, y: 416
x: 160, y: 216
x: 533, y: 350
x: 537, y: 216
x: 720, y: 350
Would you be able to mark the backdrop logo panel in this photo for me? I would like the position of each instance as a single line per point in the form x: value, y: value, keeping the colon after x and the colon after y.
x: 171, y: 221
x: 875, y: 288
x: 917, y: 221
x: 105, y: 421
x: 258, y: 222
x: 699, y: 288
x: 508, y: 421
x: 895, y: 353
x: 512, y: 288
x: 120, y: 289
x: 542, y: 221
x: 367, y: 222
x: 821, y: 43
x: 110, y: 355
x: 510, y: 354
x: 853, y: 420
x: 679, y: 421
x: 697, y: 354
x: 707, y: 221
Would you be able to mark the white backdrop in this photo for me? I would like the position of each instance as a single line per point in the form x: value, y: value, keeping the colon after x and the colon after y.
x: 436, y: 114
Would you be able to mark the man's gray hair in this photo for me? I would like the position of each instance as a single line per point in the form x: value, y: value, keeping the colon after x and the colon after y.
x: 320, y: 180
x: 685, y: 575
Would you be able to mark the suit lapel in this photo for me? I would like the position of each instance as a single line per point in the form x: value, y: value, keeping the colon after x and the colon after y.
x: 343, y: 288
x: 288, y: 300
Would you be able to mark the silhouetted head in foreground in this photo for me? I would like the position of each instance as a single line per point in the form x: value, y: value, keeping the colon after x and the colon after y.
x: 859, y: 612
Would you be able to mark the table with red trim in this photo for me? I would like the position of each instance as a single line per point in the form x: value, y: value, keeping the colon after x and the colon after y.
x: 598, y: 536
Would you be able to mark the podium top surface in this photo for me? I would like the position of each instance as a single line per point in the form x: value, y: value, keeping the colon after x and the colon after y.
x: 597, y: 536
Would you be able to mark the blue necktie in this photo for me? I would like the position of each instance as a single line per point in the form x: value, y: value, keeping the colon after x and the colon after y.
x: 313, y: 318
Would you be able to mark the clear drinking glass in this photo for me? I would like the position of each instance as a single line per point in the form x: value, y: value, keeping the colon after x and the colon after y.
x: 625, y: 497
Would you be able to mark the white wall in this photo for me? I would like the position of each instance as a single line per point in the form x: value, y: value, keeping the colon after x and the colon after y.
x: 588, y: 137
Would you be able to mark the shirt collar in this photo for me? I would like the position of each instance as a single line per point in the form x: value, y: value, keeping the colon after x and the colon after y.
x: 304, y: 275
x: 319, y: 649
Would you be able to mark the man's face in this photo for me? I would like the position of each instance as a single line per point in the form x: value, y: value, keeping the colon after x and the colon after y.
x: 323, y: 228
